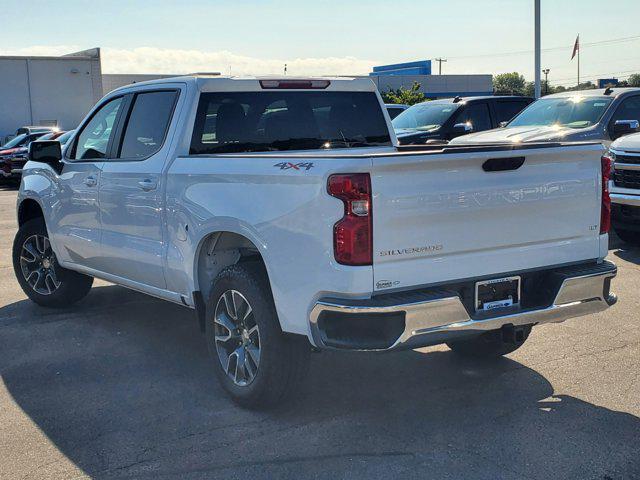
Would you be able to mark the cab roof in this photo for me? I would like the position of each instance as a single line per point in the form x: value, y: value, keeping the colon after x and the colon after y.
x: 462, y: 100
x: 217, y: 83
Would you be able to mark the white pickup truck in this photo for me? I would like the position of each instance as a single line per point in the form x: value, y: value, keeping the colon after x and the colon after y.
x: 285, y: 215
x: 625, y: 187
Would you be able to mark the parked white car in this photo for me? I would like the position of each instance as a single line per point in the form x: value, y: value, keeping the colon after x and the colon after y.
x: 282, y: 212
x: 625, y: 188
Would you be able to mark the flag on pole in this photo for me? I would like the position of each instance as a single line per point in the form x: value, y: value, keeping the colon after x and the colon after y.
x: 576, y: 47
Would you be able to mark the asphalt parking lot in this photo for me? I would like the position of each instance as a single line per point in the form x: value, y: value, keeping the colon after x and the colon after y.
x: 119, y: 387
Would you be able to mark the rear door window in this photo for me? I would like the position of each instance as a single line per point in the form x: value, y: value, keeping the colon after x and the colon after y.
x: 477, y: 114
x: 507, y: 109
x: 147, y: 125
x: 229, y: 122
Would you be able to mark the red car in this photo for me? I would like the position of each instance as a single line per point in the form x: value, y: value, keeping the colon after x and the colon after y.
x: 12, y: 161
x: 13, y: 147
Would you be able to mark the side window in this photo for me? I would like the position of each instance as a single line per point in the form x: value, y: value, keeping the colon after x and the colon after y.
x: 94, y: 138
x: 629, y: 109
x: 506, y: 110
x: 147, y: 124
x: 477, y: 115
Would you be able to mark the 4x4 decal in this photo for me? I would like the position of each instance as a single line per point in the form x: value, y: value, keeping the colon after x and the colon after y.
x: 295, y: 166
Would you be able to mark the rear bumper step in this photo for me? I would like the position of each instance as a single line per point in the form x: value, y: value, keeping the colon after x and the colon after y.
x: 423, y: 318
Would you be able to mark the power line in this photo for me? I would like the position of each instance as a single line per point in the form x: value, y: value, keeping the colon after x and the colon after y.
x: 611, y: 41
x: 596, y: 76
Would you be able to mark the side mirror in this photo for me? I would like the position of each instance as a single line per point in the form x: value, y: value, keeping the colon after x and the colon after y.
x: 46, y: 151
x: 462, y: 129
x: 625, y: 127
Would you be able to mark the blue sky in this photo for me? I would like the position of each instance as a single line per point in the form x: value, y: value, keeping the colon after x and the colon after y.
x: 347, y: 36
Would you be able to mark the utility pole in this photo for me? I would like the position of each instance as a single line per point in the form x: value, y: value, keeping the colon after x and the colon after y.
x: 440, y: 61
x: 537, y: 48
x: 285, y: 68
x: 546, y: 80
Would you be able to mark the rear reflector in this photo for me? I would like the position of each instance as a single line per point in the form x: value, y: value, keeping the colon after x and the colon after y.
x: 295, y: 84
x: 605, y: 208
x: 352, y: 235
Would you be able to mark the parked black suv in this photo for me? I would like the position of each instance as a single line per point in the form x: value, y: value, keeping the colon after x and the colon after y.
x: 450, y: 118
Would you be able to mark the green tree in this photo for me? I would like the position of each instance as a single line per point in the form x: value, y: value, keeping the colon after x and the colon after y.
x: 509, y: 84
x: 634, y: 80
x: 407, y: 96
x: 530, y: 89
x: 582, y: 86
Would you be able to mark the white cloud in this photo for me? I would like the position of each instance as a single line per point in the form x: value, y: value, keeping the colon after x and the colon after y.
x: 169, y: 61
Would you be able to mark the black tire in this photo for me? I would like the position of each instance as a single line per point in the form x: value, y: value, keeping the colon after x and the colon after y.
x: 283, y: 358
x: 73, y: 286
x: 628, y: 236
x: 492, y: 344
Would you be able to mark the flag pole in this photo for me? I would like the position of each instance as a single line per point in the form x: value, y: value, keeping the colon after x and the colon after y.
x: 578, y: 62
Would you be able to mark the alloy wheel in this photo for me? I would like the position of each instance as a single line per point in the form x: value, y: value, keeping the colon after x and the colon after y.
x: 38, y: 265
x: 237, y: 337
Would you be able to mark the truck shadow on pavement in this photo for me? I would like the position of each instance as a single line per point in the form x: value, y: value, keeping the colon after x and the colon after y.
x: 625, y: 251
x: 121, y: 385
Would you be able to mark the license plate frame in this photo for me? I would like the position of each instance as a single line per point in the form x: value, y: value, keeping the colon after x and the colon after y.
x: 497, y: 293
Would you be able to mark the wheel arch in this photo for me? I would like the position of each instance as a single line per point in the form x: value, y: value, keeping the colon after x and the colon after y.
x: 218, y: 250
x: 29, y: 209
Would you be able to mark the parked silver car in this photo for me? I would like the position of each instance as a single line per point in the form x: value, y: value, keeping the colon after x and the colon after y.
x: 586, y: 115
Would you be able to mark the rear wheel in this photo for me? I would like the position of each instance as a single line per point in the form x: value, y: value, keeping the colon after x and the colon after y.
x: 629, y: 236
x: 257, y: 364
x: 492, y: 344
x: 37, y: 270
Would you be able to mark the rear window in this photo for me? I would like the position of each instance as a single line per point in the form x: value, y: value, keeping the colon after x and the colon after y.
x: 236, y: 122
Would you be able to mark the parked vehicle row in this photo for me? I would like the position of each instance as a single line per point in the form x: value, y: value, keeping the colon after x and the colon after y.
x: 14, y: 146
x: 13, y: 163
x: 602, y: 115
x: 14, y: 154
x: 282, y: 213
x: 450, y: 118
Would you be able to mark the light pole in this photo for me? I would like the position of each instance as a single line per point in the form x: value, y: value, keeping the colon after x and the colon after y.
x: 537, y: 47
x: 546, y: 80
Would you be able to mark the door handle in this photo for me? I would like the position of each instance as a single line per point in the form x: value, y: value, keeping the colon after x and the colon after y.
x: 503, y: 164
x: 147, y: 185
x: 90, y: 181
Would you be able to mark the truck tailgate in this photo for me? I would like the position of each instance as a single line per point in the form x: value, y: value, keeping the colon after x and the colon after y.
x: 442, y: 216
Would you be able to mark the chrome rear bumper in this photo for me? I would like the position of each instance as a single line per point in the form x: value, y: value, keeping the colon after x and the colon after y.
x: 431, y: 321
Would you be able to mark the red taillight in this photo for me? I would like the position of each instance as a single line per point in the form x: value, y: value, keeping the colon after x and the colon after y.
x: 352, y: 235
x: 295, y: 84
x: 605, y: 209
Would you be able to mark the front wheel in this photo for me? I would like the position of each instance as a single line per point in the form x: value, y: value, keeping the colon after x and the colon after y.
x: 37, y: 270
x: 257, y: 364
x: 492, y: 344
